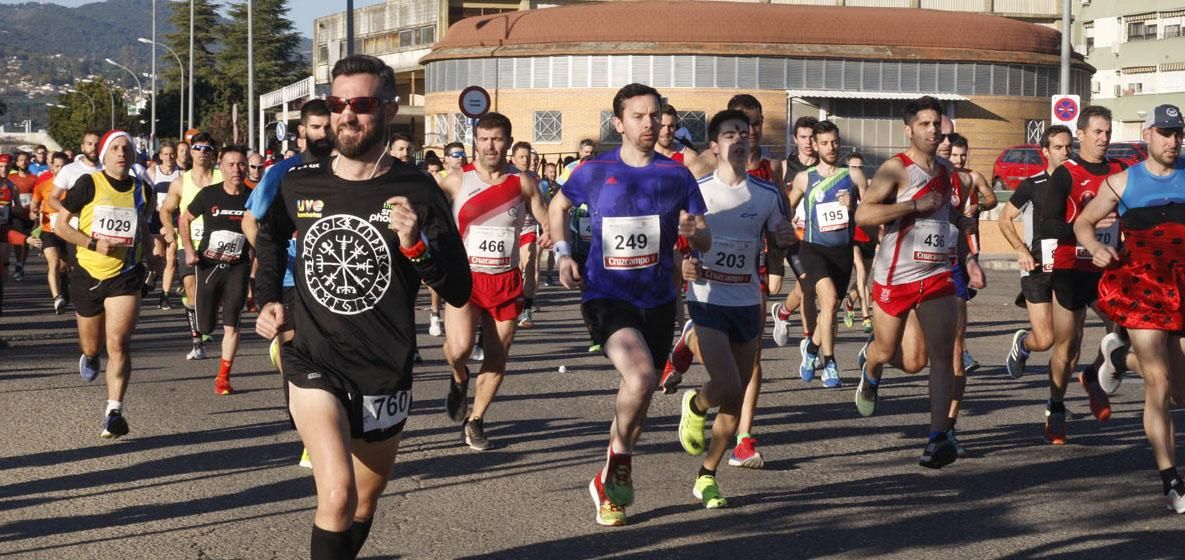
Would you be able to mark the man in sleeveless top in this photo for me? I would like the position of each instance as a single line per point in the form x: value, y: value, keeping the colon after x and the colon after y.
x: 528, y: 238
x: 162, y: 176
x: 1142, y: 285
x: 490, y: 200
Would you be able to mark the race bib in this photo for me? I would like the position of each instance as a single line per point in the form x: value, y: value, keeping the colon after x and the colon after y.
x: 831, y: 216
x: 731, y: 261
x: 380, y: 412
x: 1047, y: 248
x: 1108, y: 236
x: 930, y: 241
x: 196, y: 232
x: 226, y: 246
x: 160, y: 199
x: 490, y: 248
x: 53, y: 220
x: 26, y: 198
x: 630, y: 243
x: 584, y: 224
x: 116, y: 224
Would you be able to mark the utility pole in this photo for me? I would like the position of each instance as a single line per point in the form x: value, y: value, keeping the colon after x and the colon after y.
x: 349, y: 27
x: 152, y: 133
x: 190, y: 68
x: 250, y: 75
x: 1065, y: 76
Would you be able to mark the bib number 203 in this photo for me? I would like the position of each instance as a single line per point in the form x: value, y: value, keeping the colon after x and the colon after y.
x: 728, y: 260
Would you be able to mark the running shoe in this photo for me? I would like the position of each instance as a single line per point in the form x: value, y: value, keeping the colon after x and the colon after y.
x: 594, y: 348
x: 866, y: 395
x: 18, y: 272
x: 198, y: 352
x: 1175, y: 499
x: 939, y: 452
x: 868, y: 326
x: 609, y: 514
x: 207, y: 338
x: 478, y: 354
x: 831, y: 378
x: 1015, y: 363
x: 969, y: 363
x: 473, y: 433
x: 954, y: 438
x: 457, y: 401
x: 115, y: 425
x: 59, y: 305
x: 1100, y: 405
x: 222, y: 385
x: 1055, y: 427
x: 620, y: 485
x: 435, y: 326
x: 746, y: 455
x: 1114, y: 350
x: 849, y: 314
x: 88, y: 368
x: 305, y: 460
x: 681, y: 353
x: 862, y: 356
x: 164, y: 302
x: 781, y: 326
x: 273, y: 352
x: 807, y: 369
x: 416, y: 358
x: 671, y: 378
x: 691, y: 426
x: 706, y: 490
x: 525, y: 320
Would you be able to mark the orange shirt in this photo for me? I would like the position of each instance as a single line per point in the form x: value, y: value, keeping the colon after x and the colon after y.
x: 24, y: 186
x: 41, y: 193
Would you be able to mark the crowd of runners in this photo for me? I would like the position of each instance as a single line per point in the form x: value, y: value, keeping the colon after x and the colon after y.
x: 332, y: 247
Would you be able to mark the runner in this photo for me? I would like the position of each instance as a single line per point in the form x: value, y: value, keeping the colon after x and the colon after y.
x: 180, y: 195
x: 162, y: 176
x: 86, y: 163
x: 726, y: 299
x: 349, y: 398
x: 184, y: 156
x: 24, y: 182
x: 52, y: 246
x: 666, y: 146
x: 804, y: 158
x: 10, y: 209
x: 255, y: 169
x: 112, y: 207
x: 489, y: 201
x: 638, y: 203
x: 528, y: 239
x: 585, y: 152
x: 830, y: 194
x: 967, y: 274
x: 401, y: 148
x: 1075, y: 278
x: 866, y: 241
x: 1142, y: 285
x: 222, y: 258
x: 549, y: 187
x: 41, y: 162
x: 1036, y: 292
x: 911, y: 195
x: 454, y: 162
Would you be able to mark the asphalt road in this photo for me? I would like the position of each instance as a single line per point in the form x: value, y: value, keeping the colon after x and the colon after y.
x: 208, y: 477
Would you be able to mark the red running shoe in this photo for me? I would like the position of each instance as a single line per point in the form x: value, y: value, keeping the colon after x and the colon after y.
x: 1100, y: 405
x: 222, y: 385
x: 745, y: 454
x: 681, y: 353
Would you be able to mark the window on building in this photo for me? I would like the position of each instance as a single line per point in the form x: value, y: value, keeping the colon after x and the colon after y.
x: 427, y: 35
x: 1089, y: 45
x: 1118, y: 90
x: 549, y: 126
x: 323, y: 53
x: 437, y: 135
x: 461, y: 129
x: 1096, y: 87
x: 1140, y: 31
x: 609, y: 134
x: 407, y: 38
x: 1171, y: 31
x: 696, y: 123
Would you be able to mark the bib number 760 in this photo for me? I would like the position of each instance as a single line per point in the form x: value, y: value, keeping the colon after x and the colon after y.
x: 380, y: 412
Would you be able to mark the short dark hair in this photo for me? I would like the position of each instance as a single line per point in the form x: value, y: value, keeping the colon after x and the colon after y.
x: 958, y: 141
x: 93, y: 132
x: 40, y: 147
x: 744, y: 101
x: 722, y: 117
x: 449, y: 147
x: 400, y: 136
x: 521, y: 145
x: 167, y: 144
x: 492, y: 120
x: 629, y: 92
x: 204, y: 137
x: 313, y: 108
x: 847, y: 160
x: 923, y: 103
x: 366, y: 64
x: 588, y: 142
x: 1053, y: 131
x: 826, y: 127
x: 1091, y: 111
x: 234, y: 149
x: 430, y: 156
x: 60, y: 155
x: 670, y: 110
x: 805, y: 122
x: 569, y: 159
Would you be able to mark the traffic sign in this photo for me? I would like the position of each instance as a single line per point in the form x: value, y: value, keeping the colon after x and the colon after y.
x: 1064, y: 110
x: 281, y: 130
x: 475, y: 101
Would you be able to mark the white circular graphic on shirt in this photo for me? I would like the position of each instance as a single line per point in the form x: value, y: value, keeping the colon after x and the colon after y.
x: 347, y: 264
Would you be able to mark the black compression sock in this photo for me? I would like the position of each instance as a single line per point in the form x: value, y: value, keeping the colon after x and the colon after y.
x: 358, y: 533
x: 330, y: 545
x: 828, y: 359
x: 695, y: 409
x: 812, y: 348
x: 1090, y: 375
x: 1057, y: 407
x: 1170, y: 478
x: 191, y: 316
x: 528, y: 303
x: 704, y: 471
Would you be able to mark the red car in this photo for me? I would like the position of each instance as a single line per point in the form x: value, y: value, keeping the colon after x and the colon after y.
x: 1016, y: 164
x: 1130, y: 153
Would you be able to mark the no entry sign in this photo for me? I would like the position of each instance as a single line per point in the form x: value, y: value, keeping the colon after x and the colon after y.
x: 1064, y: 110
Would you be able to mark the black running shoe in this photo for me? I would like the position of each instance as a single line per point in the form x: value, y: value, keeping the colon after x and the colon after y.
x: 474, y: 434
x: 939, y: 452
x: 115, y: 425
x: 456, y: 403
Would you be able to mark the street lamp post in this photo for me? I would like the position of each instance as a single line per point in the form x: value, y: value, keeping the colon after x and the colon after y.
x: 250, y: 77
x: 190, y: 66
x: 109, y: 92
x: 91, y: 120
x: 180, y: 87
x: 139, y: 86
x: 152, y: 134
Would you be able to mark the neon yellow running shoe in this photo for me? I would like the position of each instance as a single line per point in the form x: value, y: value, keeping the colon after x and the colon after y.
x: 273, y: 352
x: 706, y: 490
x: 691, y: 426
x: 305, y: 461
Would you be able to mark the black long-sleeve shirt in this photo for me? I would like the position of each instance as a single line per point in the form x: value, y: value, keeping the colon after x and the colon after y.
x: 1050, y: 203
x: 354, y: 313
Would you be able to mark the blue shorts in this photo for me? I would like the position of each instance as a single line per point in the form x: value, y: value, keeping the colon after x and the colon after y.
x: 962, y: 282
x: 741, y: 324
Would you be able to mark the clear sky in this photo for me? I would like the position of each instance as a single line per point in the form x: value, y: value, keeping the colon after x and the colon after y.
x: 301, y: 12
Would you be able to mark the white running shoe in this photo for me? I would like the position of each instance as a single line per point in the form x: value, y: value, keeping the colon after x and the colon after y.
x: 435, y: 326
x: 1114, y: 350
x: 781, y: 327
x: 198, y: 353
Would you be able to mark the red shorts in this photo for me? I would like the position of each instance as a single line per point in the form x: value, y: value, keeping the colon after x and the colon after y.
x: 528, y: 236
x: 897, y: 300
x: 500, y: 295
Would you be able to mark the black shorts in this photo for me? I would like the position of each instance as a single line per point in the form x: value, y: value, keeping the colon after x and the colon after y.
x: 1037, y: 287
x: 1075, y: 289
x: 607, y: 316
x: 741, y: 324
x: 775, y: 260
x: 301, y: 373
x: 183, y: 268
x: 867, y: 250
x: 23, y: 225
x: 87, y: 293
x: 50, y: 240
x: 819, y: 262
x: 221, y: 285
x: 289, y: 301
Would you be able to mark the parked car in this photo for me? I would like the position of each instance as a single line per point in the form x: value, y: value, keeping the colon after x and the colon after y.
x: 1130, y: 153
x: 1015, y: 164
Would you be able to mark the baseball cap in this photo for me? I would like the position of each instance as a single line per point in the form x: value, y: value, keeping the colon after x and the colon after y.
x: 1164, y: 116
x: 5, y: 158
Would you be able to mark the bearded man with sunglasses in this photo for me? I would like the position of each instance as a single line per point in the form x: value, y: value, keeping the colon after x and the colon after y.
x: 368, y: 229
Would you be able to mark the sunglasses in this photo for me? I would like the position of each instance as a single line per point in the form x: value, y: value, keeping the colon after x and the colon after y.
x: 457, y: 155
x: 358, y: 104
x: 255, y: 166
x: 202, y: 148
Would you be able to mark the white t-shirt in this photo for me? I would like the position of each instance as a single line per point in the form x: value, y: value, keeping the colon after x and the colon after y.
x: 71, y: 172
x: 738, y: 217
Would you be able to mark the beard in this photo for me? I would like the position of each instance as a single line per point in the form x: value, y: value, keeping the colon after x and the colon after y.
x: 357, y: 146
x: 320, y: 148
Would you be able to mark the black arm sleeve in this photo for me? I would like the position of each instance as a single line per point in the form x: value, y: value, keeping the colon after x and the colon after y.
x: 447, y: 269
x: 271, y: 249
x: 1051, y: 204
x: 1023, y: 193
x: 81, y: 194
x: 198, y: 205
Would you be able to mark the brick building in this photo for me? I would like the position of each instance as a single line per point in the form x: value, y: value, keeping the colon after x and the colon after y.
x: 554, y: 71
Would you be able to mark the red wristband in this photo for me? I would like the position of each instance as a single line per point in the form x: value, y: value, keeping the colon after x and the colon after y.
x: 415, y: 251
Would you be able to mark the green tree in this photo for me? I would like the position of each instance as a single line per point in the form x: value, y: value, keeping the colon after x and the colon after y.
x: 205, y: 33
x: 67, y: 125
